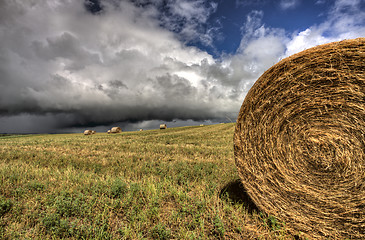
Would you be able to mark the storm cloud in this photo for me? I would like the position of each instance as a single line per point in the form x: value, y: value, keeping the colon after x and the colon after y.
x: 69, y: 64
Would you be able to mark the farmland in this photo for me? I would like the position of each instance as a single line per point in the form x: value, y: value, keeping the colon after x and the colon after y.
x: 178, y: 183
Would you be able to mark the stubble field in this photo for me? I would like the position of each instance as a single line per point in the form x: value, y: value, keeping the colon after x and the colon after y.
x: 178, y: 183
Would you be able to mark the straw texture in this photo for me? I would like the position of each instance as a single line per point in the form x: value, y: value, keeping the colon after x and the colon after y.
x: 299, y: 142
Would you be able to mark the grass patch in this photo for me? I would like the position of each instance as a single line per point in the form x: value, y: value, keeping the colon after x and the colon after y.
x: 5, y: 206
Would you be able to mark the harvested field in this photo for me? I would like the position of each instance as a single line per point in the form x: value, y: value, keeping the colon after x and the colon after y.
x: 180, y: 183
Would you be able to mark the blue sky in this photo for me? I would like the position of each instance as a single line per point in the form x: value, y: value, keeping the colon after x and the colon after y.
x: 69, y: 65
x: 230, y: 17
x: 226, y: 19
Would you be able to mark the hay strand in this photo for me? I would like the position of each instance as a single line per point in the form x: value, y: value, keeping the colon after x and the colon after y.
x: 299, y: 141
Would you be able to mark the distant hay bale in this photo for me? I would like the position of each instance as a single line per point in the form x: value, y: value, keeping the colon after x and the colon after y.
x: 163, y: 126
x: 141, y: 130
x: 108, y: 131
x: 88, y: 132
x: 116, y: 130
x: 202, y: 125
x: 93, y: 132
x: 299, y: 141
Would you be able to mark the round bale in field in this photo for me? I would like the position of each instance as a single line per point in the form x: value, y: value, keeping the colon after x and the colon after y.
x: 299, y: 142
x: 88, y: 132
x: 163, y: 126
x: 116, y: 130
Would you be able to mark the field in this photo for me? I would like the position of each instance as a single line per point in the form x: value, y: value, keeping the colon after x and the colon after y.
x: 178, y: 183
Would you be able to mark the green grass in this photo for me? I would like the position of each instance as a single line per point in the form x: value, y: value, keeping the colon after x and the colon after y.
x: 158, y: 184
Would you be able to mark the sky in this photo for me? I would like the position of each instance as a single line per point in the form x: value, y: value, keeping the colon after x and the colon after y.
x: 70, y: 65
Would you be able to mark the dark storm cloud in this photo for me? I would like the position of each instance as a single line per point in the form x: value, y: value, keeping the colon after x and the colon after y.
x: 174, y: 87
x: 187, y: 18
x: 117, y: 84
x: 93, y: 6
x: 68, y: 47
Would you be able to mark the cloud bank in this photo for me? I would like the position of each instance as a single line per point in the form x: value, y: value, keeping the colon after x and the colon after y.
x: 68, y: 64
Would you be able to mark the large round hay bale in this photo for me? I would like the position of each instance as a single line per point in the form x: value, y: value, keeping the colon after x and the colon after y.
x: 299, y: 142
x: 163, y: 126
x: 116, y: 130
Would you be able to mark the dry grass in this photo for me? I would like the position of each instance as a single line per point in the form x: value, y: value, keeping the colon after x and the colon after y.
x: 180, y: 183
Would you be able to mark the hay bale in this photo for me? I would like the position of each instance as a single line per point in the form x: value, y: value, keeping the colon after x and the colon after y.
x: 93, y: 132
x: 141, y: 130
x: 88, y: 132
x: 108, y: 131
x: 299, y: 141
x: 116, y: 130
x: 163, y: 126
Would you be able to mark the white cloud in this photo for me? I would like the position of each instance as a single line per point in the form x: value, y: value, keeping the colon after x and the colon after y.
x: 345, y: 21
x: 288, y: 4
x: 253, y: 23
x: 260, y: 47
x: 319, y: 2
x: 304, y: 40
